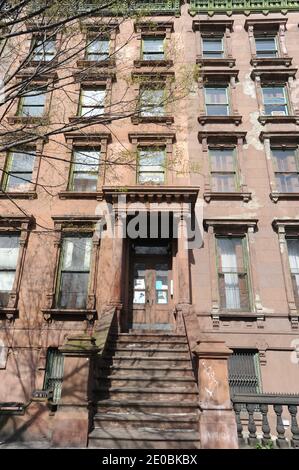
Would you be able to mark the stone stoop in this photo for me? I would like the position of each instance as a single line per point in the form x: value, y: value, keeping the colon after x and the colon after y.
x: 146, y: 394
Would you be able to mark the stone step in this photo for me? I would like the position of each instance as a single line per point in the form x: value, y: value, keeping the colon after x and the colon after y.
x: 145, y: 420
x: 149, y: 345
x: 145, y: 361
x: 145, y: 381
x: 139, y: 393
x: 120, y: 352
x: 111, y: 438
x: 159, y: 337
x: 162, y: 371
x: 142, y: 406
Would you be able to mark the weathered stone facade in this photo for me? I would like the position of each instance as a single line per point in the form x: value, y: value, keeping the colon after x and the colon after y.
x: 258, y: 211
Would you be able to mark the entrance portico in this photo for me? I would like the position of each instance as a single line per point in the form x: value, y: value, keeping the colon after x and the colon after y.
x: 150, y: 254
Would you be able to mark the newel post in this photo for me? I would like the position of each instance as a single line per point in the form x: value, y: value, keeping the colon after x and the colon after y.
x: 71, y: 424
x: 218, y: 429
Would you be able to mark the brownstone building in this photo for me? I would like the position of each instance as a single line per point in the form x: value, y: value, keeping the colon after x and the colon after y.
x: 149, y: 259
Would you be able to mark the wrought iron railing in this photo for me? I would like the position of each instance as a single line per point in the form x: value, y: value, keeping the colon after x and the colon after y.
x: 241, y: 6
x: 153, y: 7
x: 275, y: 430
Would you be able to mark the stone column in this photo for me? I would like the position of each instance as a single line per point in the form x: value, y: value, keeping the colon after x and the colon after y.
x: 218, y: 429
x: 117, y: 263
x: 71, y: 425
x: 184, y: 295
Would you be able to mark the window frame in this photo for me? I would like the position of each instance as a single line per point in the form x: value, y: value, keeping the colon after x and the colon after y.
x: 145, y: 37
x: 265, y: 37
x: 7, y: 173
x: 153, y: 87
x: 73, y: 163
x: 246, y: 272
x: 81, y: 106
x: 138, y: 171
x: 286, y: 98
x: 296, y: 158
x: 44, y: 41
x: 89, y: 41
x: 20, y: 110
x: 228, y: 99
x: 58, y: 290
x: 209, y: 37
x: 235, y: 172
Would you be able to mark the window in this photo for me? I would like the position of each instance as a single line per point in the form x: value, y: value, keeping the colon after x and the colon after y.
x: 151, y: 168
x: 73, y: 277
x: 153, y: 48
x: 43, y: 49
x: 232, y: 273
x: 266, y: 47
x: 152, y: 102
x: 97, y: 49
x: 286, y: 169
x: 275, y: 101
x: 212, y: 47
x: 33, y: 103
x: 92, y: 101
x: 84, y: 170
x: 216, y: 99
x: 223, y: 173
x: 19, y: 170
x: 9, y: 251
x: 293, y: 252
x: 54, y: 373
x: 244, y: 372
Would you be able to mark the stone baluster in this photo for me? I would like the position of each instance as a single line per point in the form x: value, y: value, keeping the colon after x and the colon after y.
x: 252, y: 439
x: 265, y: 425
x: 281, y: 440
x: 294, y: 425
x: 237, y: 409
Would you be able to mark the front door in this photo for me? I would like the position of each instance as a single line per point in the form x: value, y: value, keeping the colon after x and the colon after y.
x: 151, y: 292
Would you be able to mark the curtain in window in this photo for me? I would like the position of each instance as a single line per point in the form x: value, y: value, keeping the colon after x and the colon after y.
x: 9, y: 250
x: 293, y: 249
x: 229, y: 264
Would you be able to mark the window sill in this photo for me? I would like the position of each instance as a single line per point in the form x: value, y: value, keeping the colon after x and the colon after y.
x: 284, y: 196
x: 220, y: 119
x: 152, y: 119
x: 8, y: 313
x: 259, y: 61
x: 106, y: 118
x: 83, y: 63
x: 208, y: 196
x: 240, y: 315
x: 43, y: 121
x: 220, y: 62
x: 278, y: 119
x: 153, y: 63
x: 98, y: 195
x: 69, y: 314
x: 18, y: 195
x: 42, y: 63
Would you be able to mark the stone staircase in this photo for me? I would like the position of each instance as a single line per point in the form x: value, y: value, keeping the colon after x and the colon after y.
x: 146, y: 394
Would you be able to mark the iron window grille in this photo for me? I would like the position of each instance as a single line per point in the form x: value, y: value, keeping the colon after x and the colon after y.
x: 54, y: 373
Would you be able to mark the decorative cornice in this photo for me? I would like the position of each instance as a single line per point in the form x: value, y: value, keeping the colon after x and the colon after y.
x: 225, y: 135
x: 216, y: 24
x: 265, y: 23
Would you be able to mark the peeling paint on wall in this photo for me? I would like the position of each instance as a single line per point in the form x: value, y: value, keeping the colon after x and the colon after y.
x: 248, y: 87
x: 254, y: 132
